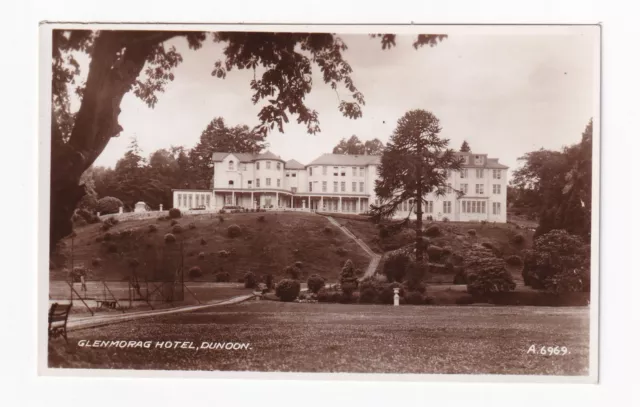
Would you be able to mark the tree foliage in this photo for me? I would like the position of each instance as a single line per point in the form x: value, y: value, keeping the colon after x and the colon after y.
x: 464, y: 148
x: 356, y: 147
x: 414, y: 163
x: 142, y: 62
x: 556, y: 185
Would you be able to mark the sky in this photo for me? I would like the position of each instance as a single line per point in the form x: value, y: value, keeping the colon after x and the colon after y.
x: 505, y: 94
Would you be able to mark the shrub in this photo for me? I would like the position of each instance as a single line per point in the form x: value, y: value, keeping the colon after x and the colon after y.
x: 315, y: 283
x: 233, y: 231
x: 489, y: 276
x: 460, y: 277
x: 174, y: 213
x: 224, y: 253
x: 348, y: 275
x: 514, y: 260
x: 348, y: 288
x: 112, y: 248
x: 328, y: 295
x: 465, y: 300
x: 195, y: 272
x: 368, y: 295
x: 220, y: 218
x: 518, y: 239
x: 293, y: 272
x: 203, y: 242
x: 107, y: 236
x: 152, y: 228
x: 342, y: 251
x: 96, y: 261
x: 383, y: 232
x: 261, y: 218
x: 169, y: 238
x: 88, y: 216
x: 435, y: 253
x: 89, y: 202
x: 133, y: 262
x: 109, y: 204
x: 250, y: 280
x: 432, y: 231
x: 471, y: 232
x: 176, y: 230
x: 395, y: 266
x: 414, y: 298
x: 569, y: 280
x: 173, y: 222
x: 192, y: 225
x: 553, y: 253
x: 446, y: 251
x: 328, y: 230
x: 201, y: 255
x: 223, y: 277
x: 288, y: 290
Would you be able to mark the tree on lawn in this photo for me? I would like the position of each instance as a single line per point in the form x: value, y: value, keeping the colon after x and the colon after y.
x: 218, y: 137
x: 414, y: 164
x: 142, y: 62
x: 464, y: 148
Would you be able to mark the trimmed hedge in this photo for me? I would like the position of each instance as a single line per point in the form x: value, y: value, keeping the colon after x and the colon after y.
x: 234, y: 231
x: 174, y: 213
x: 287, y: 290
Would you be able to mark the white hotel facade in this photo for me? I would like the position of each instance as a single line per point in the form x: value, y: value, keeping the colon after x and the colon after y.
x: 342, y: 183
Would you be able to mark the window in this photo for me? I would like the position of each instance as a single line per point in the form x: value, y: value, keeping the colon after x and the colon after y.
x: 496, y: 189
x: 278, y: 166
x: 228, y: 200
x: 343, y: 186
x: 267, y: 201
x: 428, y: 208
x: 353, y: 186
x: 197, y: 200
x: 179, y: 200
x: 479, y: 189
x: 268, y: 165
x: 335, y: 171
x: 286, y: 175
x: 463, y: 188
x: 362, y: 187
x: 465, y: 159
x: 249, y: 184
x: 335, y: 186
x: 243, y: 167
x: 278, y: 182
x: 310, y: 186
x: 231, y: 165
x: 354, y: 171
x: 362, y: 171
x: 496, y: 208
x: 464, y: 173
x: 474, y: 207
x: 209, y: 200
x: 257, y: 182
x: 479, y: 173
x: 191, y: 201
x: 294, y: 189
x: 446, y: 207
x: 257, y: 165
x: 497, y: 174
x: 293, y: 174
x: 268, y: 182
x: 310, y: 171
x: 230, y: 183
x: 478, y: 159
x: 324, y: 170
x: 324, y: 184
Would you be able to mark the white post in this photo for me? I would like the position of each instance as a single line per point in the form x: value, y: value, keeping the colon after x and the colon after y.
x: 396, y: 297
x: 340, y: 204
x: 277, y: 200
x: 120, y: 210
x: 253, y: 202
x: 160, y: 207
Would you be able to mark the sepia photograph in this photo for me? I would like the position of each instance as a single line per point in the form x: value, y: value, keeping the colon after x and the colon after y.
x: 414, y: 200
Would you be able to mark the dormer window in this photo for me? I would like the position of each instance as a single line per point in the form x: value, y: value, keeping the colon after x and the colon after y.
x: 231, y: 165
x: 478, y: 159
x: 465, y: 159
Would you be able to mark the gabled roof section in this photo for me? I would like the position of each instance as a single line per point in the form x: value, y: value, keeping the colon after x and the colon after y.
x: 346, y: 159
x: 267, y: 155
x: 491, y: 163
x: 293, y: 165
x: 245, y: 157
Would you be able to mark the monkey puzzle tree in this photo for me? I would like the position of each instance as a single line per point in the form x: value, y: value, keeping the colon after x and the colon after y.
x: 121, y: 61
x: 413, y: 164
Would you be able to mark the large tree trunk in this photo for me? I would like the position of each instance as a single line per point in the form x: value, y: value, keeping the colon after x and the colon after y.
x: 419, y: 244
x: 114, y: 67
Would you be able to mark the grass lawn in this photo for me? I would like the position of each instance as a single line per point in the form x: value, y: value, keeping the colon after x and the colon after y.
x: 263, y: 247
x: 346, y: 338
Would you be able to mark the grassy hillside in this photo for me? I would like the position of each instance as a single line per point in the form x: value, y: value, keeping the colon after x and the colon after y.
x: 263, y: 247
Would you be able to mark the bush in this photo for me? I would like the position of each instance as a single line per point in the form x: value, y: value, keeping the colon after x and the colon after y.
x: 201, y: 255
x: 569, y: 280
x: 108, y: 205
x: 173, y: 222
x: 89, y: 217
x: 348, y: 288
x: 176, y: 230
x: 152, y: 228
x: 112, y: 248
x: 518, y: 239
x: 328, y: 230
x: 328, y: 295
x: 298, y: 264
x: 414, y: 298
x: 169, y: 238
x: 383, y: 232
x: 96, y: 261
x: 435, y: 253
x: 348, y: 274
x: 107, y: 236
x: 203, y: 242
x: 89, y: 202
x: 293, y: 272
x: 224, y: 253
x: 223, y: 277
x: 220, y: 218
x: 174, y: 213
x: 471, y: 232
x: 342, y: 251
x: 488, y: 275
x: 315, y: 283
x: 261, y: 218
x: 368, y: 295
x: 514, y: 260
x: 234, y: 231
x: 432, y: 231
x: 288, y: 290
x: 553, y: 253
x: 195, y: 272
x: 395, y: 266
x: 192, y: 225
x: 250, y: 280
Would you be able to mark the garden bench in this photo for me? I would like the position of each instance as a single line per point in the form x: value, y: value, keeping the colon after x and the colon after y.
x: 58, y: 316
x: 107, y: 304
